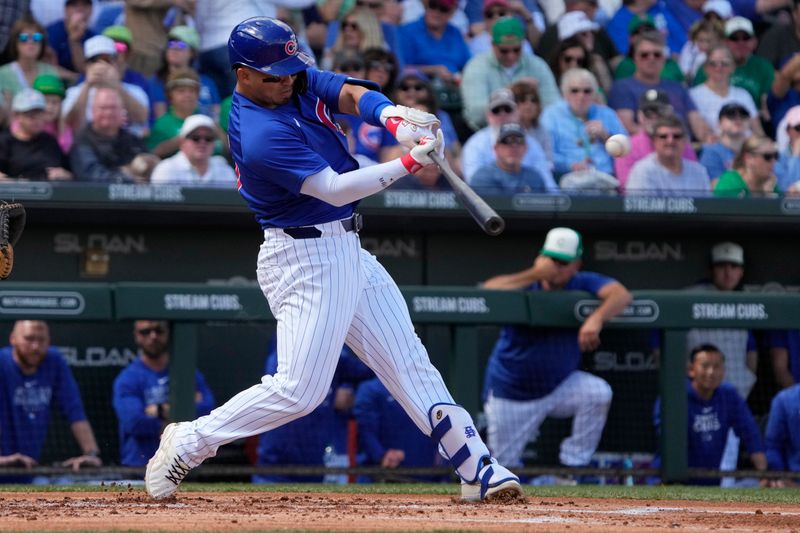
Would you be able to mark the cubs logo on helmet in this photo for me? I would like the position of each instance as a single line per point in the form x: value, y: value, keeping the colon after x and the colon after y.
x: 267, y: 45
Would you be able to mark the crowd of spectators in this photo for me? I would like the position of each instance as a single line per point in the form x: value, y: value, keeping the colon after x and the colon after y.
x: 579, y: 71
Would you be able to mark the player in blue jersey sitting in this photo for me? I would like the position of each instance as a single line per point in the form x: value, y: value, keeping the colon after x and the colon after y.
x: 714, y: 408
x: 298, y: 177
x: 34, y: 377
x: 783, y: 433
x: 141, y: 394
x: 387, y: 436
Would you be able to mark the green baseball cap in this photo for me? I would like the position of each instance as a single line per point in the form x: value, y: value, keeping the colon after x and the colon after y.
x: 564, y: 244
x: 186, y: 34
x: 639, y: 21
x: 49, y: 84
x: 508, y: 30
x: 119, y: 33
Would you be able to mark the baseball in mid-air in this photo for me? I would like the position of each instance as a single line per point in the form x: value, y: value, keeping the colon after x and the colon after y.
x: 618, y: 145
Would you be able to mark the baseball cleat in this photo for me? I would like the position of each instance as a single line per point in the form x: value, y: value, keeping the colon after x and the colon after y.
x: 166, y: 469
x: 495, y: 483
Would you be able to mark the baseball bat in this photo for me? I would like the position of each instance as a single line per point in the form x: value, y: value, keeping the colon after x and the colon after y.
x: 486, y: 217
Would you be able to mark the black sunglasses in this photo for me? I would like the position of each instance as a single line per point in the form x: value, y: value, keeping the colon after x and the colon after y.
x: 440, y: 8
x: 502, y: 109
x: 768, y: 156
x: 411, y: 87
x: 513, y: 140
x: 351, y: 25
x: 577, y: 90
x: 740, y: 37
x: 492, y: 13
x: 648, y: 55
x: 388, y: 66
x: 371, y: 5
x: 144, y: 332
x: 276, y: 79
x: 508, y: 51
x: 351, y: 65
x: 203, y: 138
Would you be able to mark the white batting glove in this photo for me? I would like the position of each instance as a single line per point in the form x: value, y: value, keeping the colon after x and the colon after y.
x: 419, y: 156
x: 409, y: 125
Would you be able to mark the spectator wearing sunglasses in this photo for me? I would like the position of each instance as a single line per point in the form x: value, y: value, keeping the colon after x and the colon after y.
x: 502, y: 65
x: 432, y: 44
x: 577, y: 25
x: 627, y: 67
x: 506, y: 174
x: 666, y: 172
x: 753, y: 172
x: 102, y: 71
x: 648, y: 54
x: 529, y: 108
x: 123, y: 42
x: 602, y: 45
x: 68, y: 35
x: 180, y: 53
x: 478, y: 151
x: 494, y: 10
x: 195, y: 164
x: 752, y: 73
x: 359, y: 30
x: 579, y: 126
x: 26, y: 47
x: 141, y: 394
x: 717, y: 91
x: 788, y: 167
x: 653, y: 105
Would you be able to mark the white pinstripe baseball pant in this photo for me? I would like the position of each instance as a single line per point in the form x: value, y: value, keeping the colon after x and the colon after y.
x: 323, y: 292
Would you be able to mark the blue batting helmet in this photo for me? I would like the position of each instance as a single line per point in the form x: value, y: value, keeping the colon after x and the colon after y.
x: 267, y: 45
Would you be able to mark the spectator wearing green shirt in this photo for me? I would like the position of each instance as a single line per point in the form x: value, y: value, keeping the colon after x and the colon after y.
x: 627, y: 67
x: 504, y: 64
x: 753, y: 73
x: 183, y: 95
x: 753, y: 171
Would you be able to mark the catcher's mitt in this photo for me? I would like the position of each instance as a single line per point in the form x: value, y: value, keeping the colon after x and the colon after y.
x: 12, y: 222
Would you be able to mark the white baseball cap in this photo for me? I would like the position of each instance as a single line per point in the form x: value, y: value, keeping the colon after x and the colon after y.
x: 574, y: 22
x: 735, y: 24
x: 564, y: 244
x: 99, y: 45
x: 193, y: 122
x: 28, y: 100
x: 727, y: 252
x: 720, y: 7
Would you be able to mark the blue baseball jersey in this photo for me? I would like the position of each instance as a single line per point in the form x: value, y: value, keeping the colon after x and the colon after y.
x: 783, y: 431
x: 303, y: 441
x: 384, y: 425
x: 529, y: 363
x: 25, y: 402
x: 709, y: 422
x: 303, y: 140
x: 136, y: 387
x: 790, y: 340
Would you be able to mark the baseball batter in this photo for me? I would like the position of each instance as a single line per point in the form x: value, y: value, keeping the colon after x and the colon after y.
x: 297, y: 176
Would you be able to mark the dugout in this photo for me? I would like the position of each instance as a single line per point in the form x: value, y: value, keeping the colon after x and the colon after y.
x: 176, y: 235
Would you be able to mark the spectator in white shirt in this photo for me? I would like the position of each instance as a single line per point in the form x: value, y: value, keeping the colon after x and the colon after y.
x: 194, y: 164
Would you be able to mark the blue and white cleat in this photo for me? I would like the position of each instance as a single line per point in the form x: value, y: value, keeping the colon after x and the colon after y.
x: 495, y: 483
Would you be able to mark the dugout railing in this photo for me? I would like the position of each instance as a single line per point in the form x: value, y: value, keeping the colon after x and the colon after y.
x: 460, y: 310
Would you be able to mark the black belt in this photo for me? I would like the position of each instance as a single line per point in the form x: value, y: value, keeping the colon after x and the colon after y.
x: 354, y: 223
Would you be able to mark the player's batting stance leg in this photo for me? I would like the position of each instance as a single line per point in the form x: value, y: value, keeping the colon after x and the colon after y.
x: 323, y: 288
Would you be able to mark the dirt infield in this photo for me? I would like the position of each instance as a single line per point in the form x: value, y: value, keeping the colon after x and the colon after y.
x: 263, y: 511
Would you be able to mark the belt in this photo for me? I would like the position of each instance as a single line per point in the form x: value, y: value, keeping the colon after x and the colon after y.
x: 354, y: 223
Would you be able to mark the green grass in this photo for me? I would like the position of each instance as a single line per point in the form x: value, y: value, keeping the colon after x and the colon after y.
x: 671, y: 492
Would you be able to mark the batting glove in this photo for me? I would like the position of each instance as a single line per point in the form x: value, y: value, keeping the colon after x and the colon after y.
x: 409, y: 125
x: 419, y: 156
